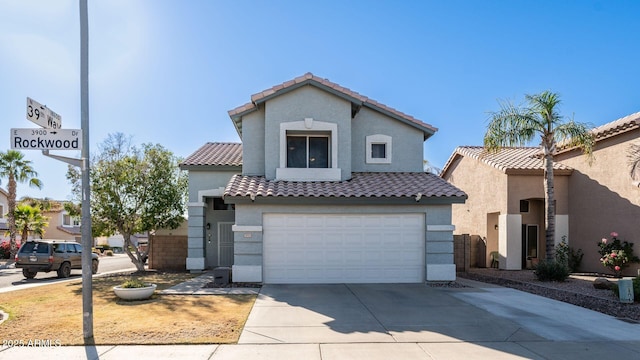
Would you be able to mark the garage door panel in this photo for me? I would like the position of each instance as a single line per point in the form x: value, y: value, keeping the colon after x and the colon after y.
x: 335, y: 248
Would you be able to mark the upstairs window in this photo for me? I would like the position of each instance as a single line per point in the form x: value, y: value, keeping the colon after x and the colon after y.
x: 68, y: 220
x: 1, y: 211
x: 378, y: 149
x: 307, y: 151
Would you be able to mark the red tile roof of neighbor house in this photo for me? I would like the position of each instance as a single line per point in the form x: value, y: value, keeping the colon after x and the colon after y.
x: 508, y: 159
x: 310, y: 79
x: 361, y: 185
x: 216, y: 154
x: 616, y: 127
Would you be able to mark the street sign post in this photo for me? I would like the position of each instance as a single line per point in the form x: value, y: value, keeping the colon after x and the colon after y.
x: 46, y: 139
x: 42, y: 115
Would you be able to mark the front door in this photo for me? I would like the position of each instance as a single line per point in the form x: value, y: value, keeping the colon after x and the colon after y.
x: 529, y: 244
x: 225, y: 244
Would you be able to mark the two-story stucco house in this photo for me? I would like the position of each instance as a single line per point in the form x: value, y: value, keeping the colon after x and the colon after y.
x: 327, y: 187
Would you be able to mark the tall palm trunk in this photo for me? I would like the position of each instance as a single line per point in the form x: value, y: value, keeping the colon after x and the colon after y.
x: 12, y: 216
x: 550, y: 208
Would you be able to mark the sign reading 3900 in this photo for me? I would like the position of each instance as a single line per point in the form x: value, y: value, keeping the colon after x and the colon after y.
x: 46, y: 139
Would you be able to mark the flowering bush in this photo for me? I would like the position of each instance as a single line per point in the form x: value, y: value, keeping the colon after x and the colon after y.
x: 616, y: 255
x: 5, y: 249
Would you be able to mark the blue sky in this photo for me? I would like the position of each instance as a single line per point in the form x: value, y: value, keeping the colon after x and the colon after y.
x: 167, y: 71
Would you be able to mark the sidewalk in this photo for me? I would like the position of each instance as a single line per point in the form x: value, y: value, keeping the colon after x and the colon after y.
x: 196, y: 286
x: 6, y: 264
x: 480, y: 321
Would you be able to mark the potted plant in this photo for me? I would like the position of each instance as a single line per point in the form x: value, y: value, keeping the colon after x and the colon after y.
x: 134, y: 289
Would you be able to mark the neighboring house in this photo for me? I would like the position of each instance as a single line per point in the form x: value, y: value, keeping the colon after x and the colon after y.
x: 506, y: 197
x: 4, y: 206
x: 327, y: 187
x: 62, y: 226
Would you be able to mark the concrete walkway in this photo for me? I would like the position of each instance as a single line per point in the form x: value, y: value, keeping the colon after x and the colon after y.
x: 394, y: 322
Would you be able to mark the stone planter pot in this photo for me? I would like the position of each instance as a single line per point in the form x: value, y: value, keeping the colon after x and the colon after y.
x: 134, y: 293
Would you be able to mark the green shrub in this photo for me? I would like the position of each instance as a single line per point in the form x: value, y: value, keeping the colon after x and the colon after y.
x: 636, y: 289
x: 108, y: 253
x: 133, y: 284
x: 551, y: 271
x: 565, y: 254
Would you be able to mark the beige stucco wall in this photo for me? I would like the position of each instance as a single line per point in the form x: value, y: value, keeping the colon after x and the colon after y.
x: 493, y: 195
x: 52, y: 231
x: 603, y: 199
x: 486, y: 188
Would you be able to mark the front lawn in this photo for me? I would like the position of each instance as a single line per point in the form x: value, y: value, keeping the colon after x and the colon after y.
x: 54, y: 312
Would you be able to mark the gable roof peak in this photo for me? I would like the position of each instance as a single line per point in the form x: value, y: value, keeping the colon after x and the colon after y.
x: 331, y: 87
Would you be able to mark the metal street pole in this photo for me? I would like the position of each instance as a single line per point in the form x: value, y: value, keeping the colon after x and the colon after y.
x: 87, y: 240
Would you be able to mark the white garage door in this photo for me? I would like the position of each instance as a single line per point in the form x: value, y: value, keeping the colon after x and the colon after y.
x: 322, y: 248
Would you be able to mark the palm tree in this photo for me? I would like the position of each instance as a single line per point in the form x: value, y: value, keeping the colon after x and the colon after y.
x: 14, y: 167
x: 30, y: 219
x: 519, y: 125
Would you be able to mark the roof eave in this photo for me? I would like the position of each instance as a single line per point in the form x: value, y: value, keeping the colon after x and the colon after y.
x: 207, y: 167
x: 536, y: 172
x: 350, y: 200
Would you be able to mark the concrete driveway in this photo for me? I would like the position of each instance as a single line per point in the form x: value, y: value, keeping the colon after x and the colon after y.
x: 367, y: 313
x: 480, y: 321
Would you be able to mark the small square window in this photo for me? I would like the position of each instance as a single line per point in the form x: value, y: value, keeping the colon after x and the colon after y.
x: 524, y: 206
x: 378, y: 151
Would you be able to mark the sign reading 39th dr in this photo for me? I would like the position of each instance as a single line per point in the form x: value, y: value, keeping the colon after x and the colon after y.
x: 46, y: 139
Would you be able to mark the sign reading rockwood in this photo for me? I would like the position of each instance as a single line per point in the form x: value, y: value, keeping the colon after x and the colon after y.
x: 46, y: 139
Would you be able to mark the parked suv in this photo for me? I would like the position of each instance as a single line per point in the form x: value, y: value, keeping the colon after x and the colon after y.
x: 52, y: 255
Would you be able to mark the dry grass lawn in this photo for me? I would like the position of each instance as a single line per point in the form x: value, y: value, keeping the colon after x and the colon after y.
x: 54, y: 312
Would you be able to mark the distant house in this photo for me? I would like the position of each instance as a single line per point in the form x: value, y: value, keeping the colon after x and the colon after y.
x: 327, y: 186
x: 4, y: 206
x: 62, y: 225
x: 506, y: 197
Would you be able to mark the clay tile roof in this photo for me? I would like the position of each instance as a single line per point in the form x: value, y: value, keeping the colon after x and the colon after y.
x: 616, y: 127
x: 621, y: 125
x: 216, y: 154
x: 509, y: 159
x: 361, y: 185
x: 351, y: 95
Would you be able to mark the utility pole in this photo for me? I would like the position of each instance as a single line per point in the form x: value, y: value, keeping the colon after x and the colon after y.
x: 87, y: 239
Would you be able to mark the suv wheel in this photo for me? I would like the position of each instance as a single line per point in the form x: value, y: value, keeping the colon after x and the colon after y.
x: 29, y: 274
x: 65, y: 270
x: 94, y: 266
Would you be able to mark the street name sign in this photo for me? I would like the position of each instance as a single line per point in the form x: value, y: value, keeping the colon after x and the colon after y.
x: 46, y: 139
x: 42, y: 115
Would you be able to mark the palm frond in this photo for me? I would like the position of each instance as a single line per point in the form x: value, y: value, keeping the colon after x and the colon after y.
x: 634, y: 161
x: 573, y: 134
x: 510, y: 126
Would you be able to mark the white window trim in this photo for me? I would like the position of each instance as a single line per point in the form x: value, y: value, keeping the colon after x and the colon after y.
x: 333, y: 173
x: 378, y: 139
x: 71, y: 218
